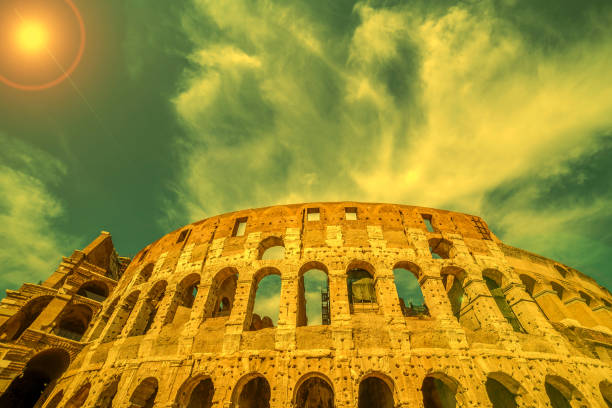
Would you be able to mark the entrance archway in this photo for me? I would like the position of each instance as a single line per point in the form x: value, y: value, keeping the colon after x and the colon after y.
x: 439, y: 391
x: 39, y: 372
x: 314, y: 392
x: 254, y: 394
x: 375, y: 393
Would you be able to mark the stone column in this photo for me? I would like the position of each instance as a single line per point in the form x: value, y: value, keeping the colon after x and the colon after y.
x: 287, y: 315
x: 549, y: 302
x: 166, y: 308
x: 135, y: 324
x: 578, y: 308
x: 388, y: 302
x: 340, y: 311
x: 45, y: 320
x: 200, y: 309
x: 526, y: 309
x: 243, y: 306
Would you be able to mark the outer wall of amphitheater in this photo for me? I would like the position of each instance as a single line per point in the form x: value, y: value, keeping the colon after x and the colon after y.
x: 176, y: 326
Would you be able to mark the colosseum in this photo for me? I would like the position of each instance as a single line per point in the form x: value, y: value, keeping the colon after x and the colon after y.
x: 176, y: 325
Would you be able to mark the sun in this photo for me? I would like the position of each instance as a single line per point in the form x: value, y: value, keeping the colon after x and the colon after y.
x: 31, y: 37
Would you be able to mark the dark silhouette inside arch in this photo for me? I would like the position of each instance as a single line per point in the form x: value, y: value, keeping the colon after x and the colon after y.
x: 493, y: 283
x: 499, y: 395
x: 605, y: 387
x: 556, y: 397
x: 374, y: 393
x: 455, y: 292
x: 94, y: 290
x: 438, y: 393
x: 18, y: 323
x: 255, y: 394
x: 315, y: 392
x: 361, y: 290
x: 57, y: 398
x: 39, y: 373
x: 144, y: 395
x: 223, y: 291
x: 180, y: 310
x: 201, y: 395
x: 561, y: 393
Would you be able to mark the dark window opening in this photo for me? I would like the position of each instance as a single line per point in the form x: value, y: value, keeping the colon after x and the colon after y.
x: 350, y: 213
x: 315, y: 393
x: 313, y: 214
x: 427, y: 220
x: 239, y: 227
x: 437, y: 394
x: 499, y: 395
x: 502, y: 304
x: 183, y: 235
x: 143, y: 255
x: 375, y: 393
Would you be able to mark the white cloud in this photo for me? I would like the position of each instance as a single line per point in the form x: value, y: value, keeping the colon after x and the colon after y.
x: 30, y: 246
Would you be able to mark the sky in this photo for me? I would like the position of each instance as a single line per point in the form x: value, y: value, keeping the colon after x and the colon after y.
x: 186, y: 109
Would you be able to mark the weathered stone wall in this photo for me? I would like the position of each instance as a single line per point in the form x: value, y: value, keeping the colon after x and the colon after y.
x: 153, y: 345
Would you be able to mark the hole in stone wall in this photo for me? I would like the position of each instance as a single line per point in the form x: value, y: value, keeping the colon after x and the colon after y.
x: 375, y: 393
x: 562, y: 271
x: 500, y: 299
x: 18, y: 323
x: 313, y: 298
x: 25, y: 390
x: 105, y: 400
x: 350, y: 213
x: 441, y: 248
x: 315, y: 392
x: 438, y: 393
x: 455, y: 292
x: 313, y: 214
x: 255, y: 394
x: 183, y: 235
x: 556, y: 397
x: 224, y: 291
x: 557, y: 288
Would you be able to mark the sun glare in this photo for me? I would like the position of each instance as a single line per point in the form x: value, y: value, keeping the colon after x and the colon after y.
x: 31, y: 37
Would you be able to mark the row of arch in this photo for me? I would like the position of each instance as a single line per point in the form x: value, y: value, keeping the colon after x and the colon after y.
x: 312, y: 390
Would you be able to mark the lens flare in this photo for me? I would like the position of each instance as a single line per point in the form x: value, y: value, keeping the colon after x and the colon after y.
x: 31, y: 37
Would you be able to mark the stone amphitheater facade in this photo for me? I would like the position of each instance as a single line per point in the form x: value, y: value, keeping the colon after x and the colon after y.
x: 174, y: 326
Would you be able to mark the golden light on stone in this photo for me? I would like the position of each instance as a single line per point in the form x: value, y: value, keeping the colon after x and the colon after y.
x: 32, y: 37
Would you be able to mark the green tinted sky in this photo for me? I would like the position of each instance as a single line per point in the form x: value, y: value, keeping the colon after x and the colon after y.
x: 496, y: 108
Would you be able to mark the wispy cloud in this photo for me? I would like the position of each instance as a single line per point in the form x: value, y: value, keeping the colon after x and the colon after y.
x: 30, y: 246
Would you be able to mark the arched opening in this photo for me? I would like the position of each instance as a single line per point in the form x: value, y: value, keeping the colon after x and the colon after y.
x: 79, y: 397
x: 199, y: 395
x: 439, y: 391
x: 361, y: 287
x: 223, y: 291
x: 529, y: 283
x: 271, y: 248
x: 57, y: 398
x: 106, y: 397
x: 560, y: 392
x: 124, y: 312
x: 147, y: 315
x: 412, y: 302
x: 38, y: 374
x: 605, y: 387
x: 587, y: 298
x: 267, y: 288
x: 103, y: 319
x: 94, y: 290
x: 254, y: 394
x: 375, y: 393
x: 441, y: 248
x: 73, y: 322
x: 187, y: 292
x: 17, y: 324
x: 502, y: 390
x: 493, y: 281
x: 144, y: 395
x: 452, y: 279
x: 314, y: 392
x: 558, y: 289
x: 144, y: 275
x: 313, y: 295
x: 562, y: 271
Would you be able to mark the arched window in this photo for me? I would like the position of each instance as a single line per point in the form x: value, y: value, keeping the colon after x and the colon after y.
x: 439, y: 391
x: 41, y: 371
x: 605, y: 387
x: 105, y: 400
x: 123, y: 313
x: 147, y: 315
x: 196, y: 393
x: 452, y: 280
x: 79, y: 397
x: 187, y: 292
x: 271, y: 248
x: 558, y: 288
x: 222, y: 292
x: 562, y: 271
x: 441, y: 248
x: 144, y: 275
x: 501, y: 395
x: 586, y: 298
x: 254, y: 394
x: 375, y: 393
x: 267, y: 299
x: 405, y: 275
x: 561, y: 393
x: 529, y: 283
x: 493, y: 280
x: 73, y: 322
x: 313, y: 295
x: 361, y: 290
x: 144, y: 395
x: 314, y: 392
x: 94, y: 290
x: 18, y: 323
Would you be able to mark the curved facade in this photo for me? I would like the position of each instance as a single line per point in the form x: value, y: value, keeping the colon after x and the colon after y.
x: 499, y: 327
